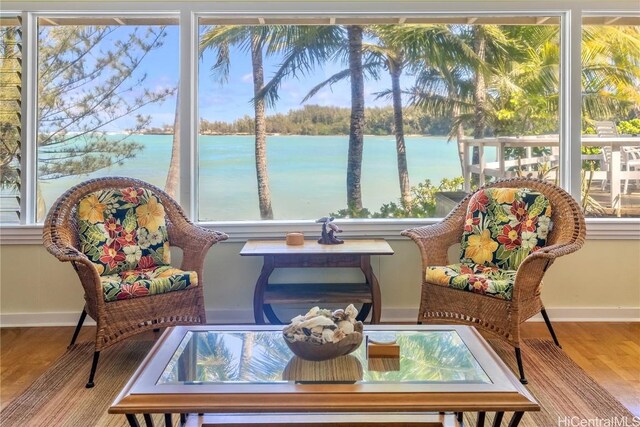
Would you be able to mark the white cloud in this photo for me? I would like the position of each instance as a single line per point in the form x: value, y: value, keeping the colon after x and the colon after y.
x: 247, y: 78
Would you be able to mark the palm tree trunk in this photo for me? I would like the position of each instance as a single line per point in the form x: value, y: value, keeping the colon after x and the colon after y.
x: 395, y: 69
x: 356, y: 128
x: 173, y: 175
x: 246, y: 354
x: 479, y: 93
x: 264, y: 192
x: 459, y: 137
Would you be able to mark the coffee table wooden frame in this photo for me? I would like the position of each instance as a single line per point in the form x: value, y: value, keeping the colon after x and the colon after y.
x: 142, y: 395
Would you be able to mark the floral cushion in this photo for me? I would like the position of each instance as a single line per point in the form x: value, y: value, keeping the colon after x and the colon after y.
x: 478, y: 278
x: 503, y: 226
x: 123, y: 229
x: 149, y: 281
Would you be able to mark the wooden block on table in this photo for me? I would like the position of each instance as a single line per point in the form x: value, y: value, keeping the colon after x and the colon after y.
x: 389, y: 350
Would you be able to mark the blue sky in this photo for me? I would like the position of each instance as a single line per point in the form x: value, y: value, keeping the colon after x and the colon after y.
x: 232, y: 99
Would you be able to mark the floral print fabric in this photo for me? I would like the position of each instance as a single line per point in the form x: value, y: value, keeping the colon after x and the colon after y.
x: 478, y: 278
x: 123, y: 229
x: 503, y: 226
x: 143, y: 282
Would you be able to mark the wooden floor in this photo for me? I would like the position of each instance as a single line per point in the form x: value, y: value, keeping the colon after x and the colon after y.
x: 609, y: 352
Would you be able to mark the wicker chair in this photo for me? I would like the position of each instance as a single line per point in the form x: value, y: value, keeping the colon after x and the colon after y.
x: 123, y: 318
x: 499, y: 317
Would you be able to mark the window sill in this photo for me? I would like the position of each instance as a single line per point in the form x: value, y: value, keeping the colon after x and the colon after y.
x: 240, y: 231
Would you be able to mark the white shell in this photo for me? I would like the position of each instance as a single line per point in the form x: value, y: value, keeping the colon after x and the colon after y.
x: 345, y: 326
x: 338, y: 335
x: 316, y: 321
x: 317, y: 330
x: 351, y: 313
x: 299, y: 318
x: 312, y: 313
x: 327, y: 335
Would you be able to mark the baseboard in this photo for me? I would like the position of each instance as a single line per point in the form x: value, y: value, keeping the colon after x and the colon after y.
x: 390, y: 315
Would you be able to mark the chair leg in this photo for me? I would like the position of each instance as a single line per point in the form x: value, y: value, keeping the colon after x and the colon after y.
x: 551, y: 331
x: 83, y: 316
x: 94, y: 365
x: 523, y: 380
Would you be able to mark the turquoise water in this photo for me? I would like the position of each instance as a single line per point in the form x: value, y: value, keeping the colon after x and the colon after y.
x: 307, y: 173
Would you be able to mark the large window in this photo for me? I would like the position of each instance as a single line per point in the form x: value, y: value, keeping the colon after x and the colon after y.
x: 284, y: 115
x: 106, y: 98
x: 10, y: 106
x: 372, y: 120
x: 611, y: 116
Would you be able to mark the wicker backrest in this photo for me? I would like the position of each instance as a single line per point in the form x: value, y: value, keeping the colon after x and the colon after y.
x: 568, y: 220
x: 61, y: 226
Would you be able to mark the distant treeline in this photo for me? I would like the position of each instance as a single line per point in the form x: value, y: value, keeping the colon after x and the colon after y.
x: 320, y: 120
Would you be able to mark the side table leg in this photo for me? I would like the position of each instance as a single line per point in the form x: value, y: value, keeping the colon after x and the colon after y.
x: 271, y: 315
x: 133, y: 421
x: 258, y: 293
x: 372, y: 281
x: 515, y: 420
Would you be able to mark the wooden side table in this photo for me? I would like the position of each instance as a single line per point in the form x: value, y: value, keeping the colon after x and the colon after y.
x: 353, y: 253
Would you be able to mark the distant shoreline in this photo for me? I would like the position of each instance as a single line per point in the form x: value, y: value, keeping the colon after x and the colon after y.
x: 414, y: 135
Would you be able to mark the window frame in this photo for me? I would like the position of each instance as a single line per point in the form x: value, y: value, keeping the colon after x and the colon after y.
x: 570, y: 12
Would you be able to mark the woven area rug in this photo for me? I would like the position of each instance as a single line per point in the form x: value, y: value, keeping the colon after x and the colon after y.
x: 58, y: 397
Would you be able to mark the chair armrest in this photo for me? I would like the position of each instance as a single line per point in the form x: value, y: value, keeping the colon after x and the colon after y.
x: 435, y: 240
x: 86, y: 270
x: 195, y: 242
x: 532, y: 269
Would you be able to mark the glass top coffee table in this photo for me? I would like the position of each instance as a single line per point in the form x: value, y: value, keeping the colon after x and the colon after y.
x: 247, y: 374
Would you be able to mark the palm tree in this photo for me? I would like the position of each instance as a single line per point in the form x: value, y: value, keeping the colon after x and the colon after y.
x: 173, y: 175
x: 311, y: 47
x: 393, y: 58
x: 303, y: 47
x: 356, y: 128
x: 254, y: 39
x: 388, y: 55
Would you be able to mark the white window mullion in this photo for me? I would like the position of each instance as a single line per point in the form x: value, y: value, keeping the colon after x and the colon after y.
x: 29, y: 111
x: 188, y: 113
x: 571, y: 102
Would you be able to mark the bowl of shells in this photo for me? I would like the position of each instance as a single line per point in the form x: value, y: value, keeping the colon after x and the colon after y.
x: 324, y: 334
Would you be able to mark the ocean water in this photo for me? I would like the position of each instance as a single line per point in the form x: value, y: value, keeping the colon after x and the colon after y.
x: 307, y: 173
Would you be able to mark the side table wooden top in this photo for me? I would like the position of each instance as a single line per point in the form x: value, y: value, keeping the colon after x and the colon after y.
x: 312, y: 247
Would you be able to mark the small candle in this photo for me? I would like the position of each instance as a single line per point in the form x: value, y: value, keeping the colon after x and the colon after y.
x: 295, y: 239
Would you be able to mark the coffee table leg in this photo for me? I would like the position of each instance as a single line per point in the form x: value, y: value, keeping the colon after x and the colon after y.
x: 148, y: 420
x: 168, y: 421
x: 481, y: 417
x: 498, y: 419
x: 133, y: 421
x: 516, y: 419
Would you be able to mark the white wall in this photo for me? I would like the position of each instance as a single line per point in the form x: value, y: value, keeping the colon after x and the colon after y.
x: 601, y: 281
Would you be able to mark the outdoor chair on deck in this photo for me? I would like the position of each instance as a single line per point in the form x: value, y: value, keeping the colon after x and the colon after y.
x: 630, y: 159
x: 510, y: 231
x: 117, y: 233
